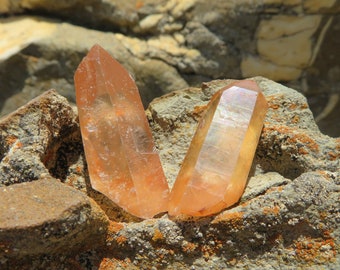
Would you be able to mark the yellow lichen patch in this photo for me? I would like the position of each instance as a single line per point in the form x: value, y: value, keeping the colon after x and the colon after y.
x: 157, y: 236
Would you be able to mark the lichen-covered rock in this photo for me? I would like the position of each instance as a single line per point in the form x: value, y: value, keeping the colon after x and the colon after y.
x: 287, y: 217
x: 291, y: 141
x: 31, y: 136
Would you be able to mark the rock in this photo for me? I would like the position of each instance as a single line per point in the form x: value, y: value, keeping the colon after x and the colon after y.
x: 40, y: 60
x: 30, y: 136
x: 173, y: 45
x: 287, y: 225
x: 47, y: 217
x: 291, y: 144
x: 287, y: 216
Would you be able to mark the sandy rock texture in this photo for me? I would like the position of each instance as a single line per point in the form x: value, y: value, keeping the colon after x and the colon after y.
x: 287, y: 218
x: 169, y: 45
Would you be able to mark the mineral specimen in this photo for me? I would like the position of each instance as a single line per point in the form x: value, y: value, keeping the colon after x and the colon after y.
x: 122, y: 160
x: 215, y: 170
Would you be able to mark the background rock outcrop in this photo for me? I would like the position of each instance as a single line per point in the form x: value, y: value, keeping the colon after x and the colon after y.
x: 169, y: 45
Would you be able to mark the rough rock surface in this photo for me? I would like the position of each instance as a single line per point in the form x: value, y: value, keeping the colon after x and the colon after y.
x: 287, y: 218
x: 169, y: 45
x: 47, y: 217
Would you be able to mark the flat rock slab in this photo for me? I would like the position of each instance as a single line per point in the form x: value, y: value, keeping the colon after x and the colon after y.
x: 47, y: 217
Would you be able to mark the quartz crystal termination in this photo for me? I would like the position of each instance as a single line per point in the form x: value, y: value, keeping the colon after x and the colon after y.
x: 120, y: 153
x: 214, y: 172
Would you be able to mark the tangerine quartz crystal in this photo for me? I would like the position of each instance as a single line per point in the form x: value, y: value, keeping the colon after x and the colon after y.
x: 121, y: 157
x: 214, y: 172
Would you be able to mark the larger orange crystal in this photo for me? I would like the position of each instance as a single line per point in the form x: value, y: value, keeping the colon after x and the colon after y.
x: 121, y: 157
x: 215, y: 170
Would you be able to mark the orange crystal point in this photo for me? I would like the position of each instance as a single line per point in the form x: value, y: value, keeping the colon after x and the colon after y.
x: 119, y: 148
x: 215, y: 170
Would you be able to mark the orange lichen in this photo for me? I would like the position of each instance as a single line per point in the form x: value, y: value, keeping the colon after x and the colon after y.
x: 273, y: 189
x: 302, y: 151
x: 157, y: 236
x: 271, y: 210
x: 115, y: 227
x: 333, y: 156
x: 294, y: 137
x: 11, y: 139
x: 235, y: 218
x: 292, y: 106
x: 121, y: 239
x: 273, y: 101
x: 295, y: 119
x: 113, y: 263
x: 189, y: 247
x: 198, y: 111
x: 310, y: 249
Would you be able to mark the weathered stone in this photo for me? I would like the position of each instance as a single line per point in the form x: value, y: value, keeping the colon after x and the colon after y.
x: 47, y: 217
x: 31, y: 136
x: 287, y: 225
x: 291, y: 144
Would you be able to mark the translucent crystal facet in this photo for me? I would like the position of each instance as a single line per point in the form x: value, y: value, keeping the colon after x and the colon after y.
x: 215, y: 170
x: 121, y: 157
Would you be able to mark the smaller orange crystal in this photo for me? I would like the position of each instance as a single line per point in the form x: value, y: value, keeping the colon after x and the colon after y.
x: 215, y: 170
x: 121, y: 157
